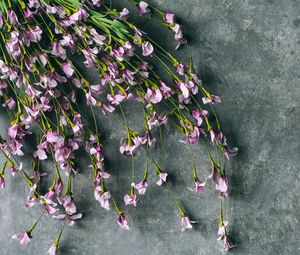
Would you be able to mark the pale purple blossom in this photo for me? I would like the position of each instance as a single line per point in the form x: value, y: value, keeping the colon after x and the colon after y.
x: 102, y: 197
x: 2, y: 182
x: 211, y: 100
x: 143, y: 8
x: 147, y: 48
x: 68, y: 69
x: 199, y: 186
x: 169, y: 18
x: 124, y: 14
x: 185, y: 223
x: 52, y: 250
x: 22, y: 237
x: 222, y: 187
x: 154, y: 95
x: 141, y: 187
x: 12, y: 17
x: 130, y: 199
x: 162, y: 178
x: 122, y: 221
x: 70, y: 219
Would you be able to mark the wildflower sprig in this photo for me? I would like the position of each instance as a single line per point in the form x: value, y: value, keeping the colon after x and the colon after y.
x: 41, y: 85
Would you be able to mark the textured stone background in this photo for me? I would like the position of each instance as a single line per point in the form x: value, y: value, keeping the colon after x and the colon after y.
x: 247, y: 52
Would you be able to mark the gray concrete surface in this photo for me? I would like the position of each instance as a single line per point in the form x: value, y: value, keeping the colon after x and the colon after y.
x: 247, y: 52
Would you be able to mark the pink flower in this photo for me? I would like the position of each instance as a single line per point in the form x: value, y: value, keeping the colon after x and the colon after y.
x: 34, y: 34
x: 80, y: 15
x: 185, y: 223
x: 14, y: 170
x: 52, y: 250
x: 2, y: 182
x: 212, y: 136
x: 141, y: 187
x: 166, y: 91
x: 169, y: 18
x: 116, y: 99
x: 123, y: 222
x: 58, y: 50
x: 154, y: 95
x: 68, y: 69
x: 211, y: 100
x: 124, y: 14
x: 222, y: 232
x: 230, y: 152
x: 162, y: 178
x: 184, y: 90
x: 70, y: 219
x: 193, y: 137
x: 147, y: 48
x: 199, y: 186
x: 143, y: 8
x: 180, y: 69
x: 23, y: 237
x: 68, y: 203
x: 12, y: 17
x: 222, y: 187
x: 130, y: 199
x: 198, y: 114
x: 10, y: 103
x: 102, y: 197
x: 228, y: 244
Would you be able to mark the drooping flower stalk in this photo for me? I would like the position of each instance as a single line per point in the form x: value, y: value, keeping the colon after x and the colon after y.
x: 42, y: 82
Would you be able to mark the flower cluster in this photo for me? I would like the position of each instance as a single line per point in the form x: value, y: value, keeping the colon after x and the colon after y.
x: 42, y: 83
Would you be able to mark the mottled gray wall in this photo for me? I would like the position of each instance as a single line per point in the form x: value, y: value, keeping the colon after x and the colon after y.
x: 247, y: 52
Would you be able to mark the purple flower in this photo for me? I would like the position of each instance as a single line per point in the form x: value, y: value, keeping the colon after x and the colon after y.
x: 58, y: 50
x: 162, y: 178
x: 68, y: 69
x: 12, y: 17
x: 198, y: 114
x: 68, y: 203
x: 228, y: 244
x: 80, y: 15
x: 102, y: 197
x: 212, y: 136
x: 14, y: 170
x: 2, y: 181
x: 180, y: 69
x: 141, y: 187
x: 58, y: 187
x: 68, y: 218
x: 123, y: 222
x: 143, y: 8
x: 222, y: 187
x: 34, y: 34
x: 52, y: 250
x: 193, y: 137
x: 154, y: 95
x: 116, y: 99
x: 185, y: 223
x: 23, y: 237
x: 199, y: 186
x: 124, y: 14
x: 10, y: 103
x: 169, y: 18
x: 166, y: 91
x: 147, y: 48
x: 211, y: 100
x: 222, y: 232
x: 130, y: 199
x: 230, y: 152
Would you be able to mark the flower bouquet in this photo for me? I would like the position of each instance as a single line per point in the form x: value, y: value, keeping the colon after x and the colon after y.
x: 42, y: 82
